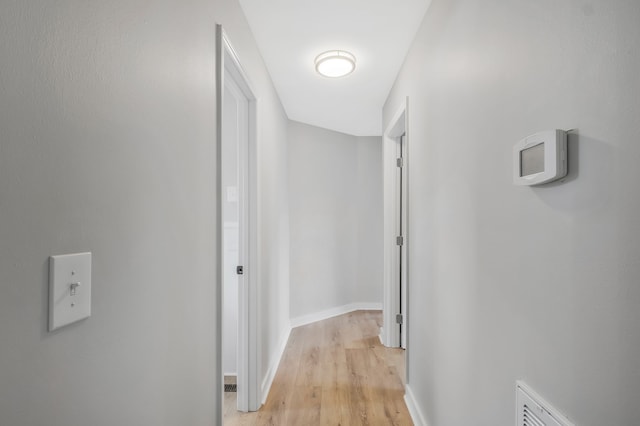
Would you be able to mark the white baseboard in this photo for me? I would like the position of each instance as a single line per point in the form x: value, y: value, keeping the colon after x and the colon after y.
x: 414, y: 409
x: 273, y: 367
x: 334, y: 312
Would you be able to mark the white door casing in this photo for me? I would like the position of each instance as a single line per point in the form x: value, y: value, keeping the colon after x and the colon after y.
x: 231, y: 76
x: 401, y: 225
x: 395, y: 194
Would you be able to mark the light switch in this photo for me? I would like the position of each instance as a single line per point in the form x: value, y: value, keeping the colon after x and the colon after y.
x: 69, y: 289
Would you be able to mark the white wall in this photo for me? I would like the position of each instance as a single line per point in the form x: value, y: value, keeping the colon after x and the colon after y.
x: 273, y: 223
x: 510, y: 282
x: 107, y: 113
x: 369, y: 223
x: 335, y: 193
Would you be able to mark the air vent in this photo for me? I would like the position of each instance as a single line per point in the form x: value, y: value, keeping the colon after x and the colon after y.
x: 532, y: 410
x: 530, y: 419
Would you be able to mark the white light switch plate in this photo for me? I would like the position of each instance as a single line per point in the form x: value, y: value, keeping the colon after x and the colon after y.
x: 69, y: 289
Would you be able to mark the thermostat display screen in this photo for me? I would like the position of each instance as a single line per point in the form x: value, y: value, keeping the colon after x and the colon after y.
x: 532, y: 160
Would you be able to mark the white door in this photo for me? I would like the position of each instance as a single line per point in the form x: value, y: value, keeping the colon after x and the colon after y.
x: 235, y: 136
x: 399, y: 280
x: 401, y: 284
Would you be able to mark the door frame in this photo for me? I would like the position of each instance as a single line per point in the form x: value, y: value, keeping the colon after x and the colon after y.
x: 393, y: 302
x: 228, y: 66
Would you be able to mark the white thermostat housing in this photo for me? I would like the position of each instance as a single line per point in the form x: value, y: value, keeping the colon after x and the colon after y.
x: 540, y: 158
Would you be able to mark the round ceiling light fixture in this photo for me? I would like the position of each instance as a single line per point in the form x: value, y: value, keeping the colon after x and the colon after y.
x: 335, y: 63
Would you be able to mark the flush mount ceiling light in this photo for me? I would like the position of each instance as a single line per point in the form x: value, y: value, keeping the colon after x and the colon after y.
x: 335, y: 63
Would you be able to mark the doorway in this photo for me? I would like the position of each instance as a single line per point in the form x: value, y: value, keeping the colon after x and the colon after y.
x: 395, y: 167
x: 236, y: 307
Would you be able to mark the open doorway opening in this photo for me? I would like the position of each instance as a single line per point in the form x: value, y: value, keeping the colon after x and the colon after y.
x: 395, y: 166
x: 236, y: 307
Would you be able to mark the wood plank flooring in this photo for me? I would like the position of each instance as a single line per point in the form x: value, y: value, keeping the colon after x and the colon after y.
x: 333, y: 372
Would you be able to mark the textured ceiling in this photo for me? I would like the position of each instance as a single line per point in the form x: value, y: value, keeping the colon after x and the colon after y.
x: 291, y: 33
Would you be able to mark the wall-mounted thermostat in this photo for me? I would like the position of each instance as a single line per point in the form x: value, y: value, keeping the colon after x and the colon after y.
x: 540, y: 158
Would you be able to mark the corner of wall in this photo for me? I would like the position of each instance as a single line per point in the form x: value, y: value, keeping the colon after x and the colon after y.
x: 334, y: 312
x: 273, y: 366
x: 418, y: 417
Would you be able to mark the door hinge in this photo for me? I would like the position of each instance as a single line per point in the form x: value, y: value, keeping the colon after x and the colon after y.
x: 399, y: 319
x: 400, y: 240
x: 399, y: 162
x: 240, y: 270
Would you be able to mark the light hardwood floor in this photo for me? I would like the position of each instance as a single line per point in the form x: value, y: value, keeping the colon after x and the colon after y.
x: 333, y: 372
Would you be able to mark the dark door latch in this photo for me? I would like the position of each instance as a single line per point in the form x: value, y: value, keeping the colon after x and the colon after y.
x: 239, y: 270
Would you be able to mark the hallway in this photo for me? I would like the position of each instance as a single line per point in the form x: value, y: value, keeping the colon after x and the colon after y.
x: 333, y: 372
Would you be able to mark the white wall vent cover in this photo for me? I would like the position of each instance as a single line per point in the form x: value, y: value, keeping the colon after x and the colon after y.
x: 532, y: 410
